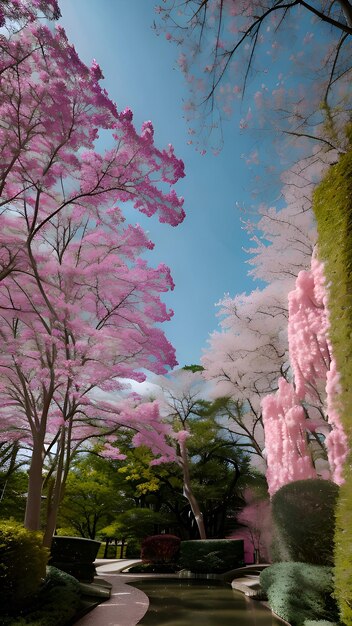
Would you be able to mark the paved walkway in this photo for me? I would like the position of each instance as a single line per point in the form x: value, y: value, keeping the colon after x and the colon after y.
x: 126, y: 606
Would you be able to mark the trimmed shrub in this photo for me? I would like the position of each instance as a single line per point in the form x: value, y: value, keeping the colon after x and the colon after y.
x: 303, y: 513
x: 299, y: 591
x: 22, y: 564
x: 75, y: 555
x: 160, y: 549
x: 211, y: 556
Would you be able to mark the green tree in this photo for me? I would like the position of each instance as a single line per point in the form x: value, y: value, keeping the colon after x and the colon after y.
x: 94, y: 496
x: 13, y: 493
x: 207, y: 455
x: 132, y: 526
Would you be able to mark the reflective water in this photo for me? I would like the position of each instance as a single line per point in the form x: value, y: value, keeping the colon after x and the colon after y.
x: 192, y: 603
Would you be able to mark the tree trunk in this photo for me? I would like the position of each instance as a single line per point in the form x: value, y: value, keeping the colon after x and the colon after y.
x: 35, y: 481
x: 188, y: 493
x: 56, y: 495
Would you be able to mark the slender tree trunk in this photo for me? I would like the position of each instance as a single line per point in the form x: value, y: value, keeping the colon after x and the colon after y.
x: 107, y: 541
x: 35, y: 481
x: 55, y: 499
x: 188, y: 493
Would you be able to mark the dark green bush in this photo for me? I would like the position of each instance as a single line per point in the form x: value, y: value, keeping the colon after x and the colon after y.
x: 75, y: 555
x: 206, y: 556
x: 72, y: 549
x: 160, y: 548
x: 22, y: 564
x: 303, y: 513
x: 300, y: 591
x: 56, y: 603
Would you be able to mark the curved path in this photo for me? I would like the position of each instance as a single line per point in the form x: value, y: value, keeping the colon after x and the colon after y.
x: 126, y: 606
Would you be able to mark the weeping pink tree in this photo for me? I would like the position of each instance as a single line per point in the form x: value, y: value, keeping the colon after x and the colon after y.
x: 78, y: 305
x: 315, y: 377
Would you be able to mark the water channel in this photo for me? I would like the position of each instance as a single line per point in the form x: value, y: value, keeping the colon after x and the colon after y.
x: 200, y: 603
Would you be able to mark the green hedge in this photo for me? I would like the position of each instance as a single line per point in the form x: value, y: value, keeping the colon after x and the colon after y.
x: 208, y: 556
x: 332, y: 205
x: 298, y: 592
x: 22, y: 564
x: 75, y: 555
x: 304, y: 518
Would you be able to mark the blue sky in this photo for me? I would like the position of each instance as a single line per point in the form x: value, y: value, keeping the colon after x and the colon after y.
x: 205, y: 254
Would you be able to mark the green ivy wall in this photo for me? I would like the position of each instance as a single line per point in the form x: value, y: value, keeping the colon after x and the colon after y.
x: 332, y: 206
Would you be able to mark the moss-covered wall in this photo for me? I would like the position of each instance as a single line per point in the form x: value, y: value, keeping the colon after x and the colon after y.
x: 333, y: 210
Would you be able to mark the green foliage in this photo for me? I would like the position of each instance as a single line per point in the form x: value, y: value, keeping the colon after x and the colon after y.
x: 299, y: 591
x: 55, y: 604
x: 133, y: 549
x: 22, y: 564
x: 161, y: 548
x: 13, y: 490
x: 343, y: 549
x: 134, y: 523
x: 211, y: 555
x: 303, y: 514
x: 193, y: 368
x: 333, y: 211
x: 94, y: 495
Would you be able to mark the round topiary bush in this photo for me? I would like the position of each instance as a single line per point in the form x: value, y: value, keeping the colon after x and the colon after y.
x: 304, y: 517
x: 23, y: 562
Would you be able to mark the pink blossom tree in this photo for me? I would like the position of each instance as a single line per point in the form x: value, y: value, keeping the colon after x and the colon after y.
x: 290, y: 59
x: 256, y: 527
x: 287, y: 431
x: 78, y: 305
x: 313, y: 361
x: 245, y: 359
x: 288, y: 455
x: 251, y: 352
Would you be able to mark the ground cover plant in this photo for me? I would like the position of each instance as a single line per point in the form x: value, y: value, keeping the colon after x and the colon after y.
x: 300, y: 591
